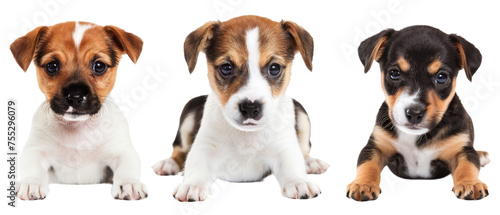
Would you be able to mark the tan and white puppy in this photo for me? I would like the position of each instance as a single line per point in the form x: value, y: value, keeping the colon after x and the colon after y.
x: 247, y: 127
x: 78, y: 135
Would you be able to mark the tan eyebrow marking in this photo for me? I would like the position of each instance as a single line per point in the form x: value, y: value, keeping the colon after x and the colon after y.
x: 434, y: 67
x: 403, y: 64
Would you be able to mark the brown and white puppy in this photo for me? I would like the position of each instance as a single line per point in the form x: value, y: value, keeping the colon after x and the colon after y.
x: 247, y: 127
x: 422, y: 130
x: 78, y: 135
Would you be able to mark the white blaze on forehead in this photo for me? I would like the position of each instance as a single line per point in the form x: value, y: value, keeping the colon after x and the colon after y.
x: 79, y: 32
x: 252, y: 42
x: 257, y: 86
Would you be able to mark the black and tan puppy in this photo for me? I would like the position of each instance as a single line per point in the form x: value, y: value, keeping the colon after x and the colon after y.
x: 422, y: 130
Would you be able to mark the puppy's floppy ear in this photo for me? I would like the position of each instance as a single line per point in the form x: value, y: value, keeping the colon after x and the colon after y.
x: 24, y: 47
x: 197, y: 41
x: 470, y: 57
x: 372, y: 48
x: 128, y: 42
x: 303, y: 41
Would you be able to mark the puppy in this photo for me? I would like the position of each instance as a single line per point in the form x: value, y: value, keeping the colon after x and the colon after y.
x: 422, y: 130
x: 247, y: 128
x: 78, y: 135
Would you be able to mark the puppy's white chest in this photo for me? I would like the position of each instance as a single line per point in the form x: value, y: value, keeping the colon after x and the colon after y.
x: 78, y: 158
x: 243, y: 158
x: 418, y: 161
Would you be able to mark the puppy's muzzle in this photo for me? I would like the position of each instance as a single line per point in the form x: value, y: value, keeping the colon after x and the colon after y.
x: 251, y: 110
x: 415, y: 114
x: 76, y: 94
x: 75, y: 99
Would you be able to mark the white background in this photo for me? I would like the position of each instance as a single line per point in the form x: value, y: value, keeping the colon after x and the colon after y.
x: 341, y: 100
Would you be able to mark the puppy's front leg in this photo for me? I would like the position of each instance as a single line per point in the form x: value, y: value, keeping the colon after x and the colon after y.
x: 290, y: 171
x: 127, y: 169
x: 34, y: 168
x: 465, y: 172
x: 199, y: 174
x: 371, y: 161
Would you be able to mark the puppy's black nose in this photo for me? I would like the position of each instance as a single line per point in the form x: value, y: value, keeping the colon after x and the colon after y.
x: 251, y: 109
x: 75, y: 94
x: 415, y: 114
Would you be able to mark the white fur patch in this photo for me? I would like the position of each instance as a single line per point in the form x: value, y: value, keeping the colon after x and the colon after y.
x: 256, y: 89
x: 80, y: 151
x: 70, y: 116
x: 404, y: 101
x: 418, y: 161
x: 484, y: 159
x: 79, y: 32
x: 252, y: 43
x: 305, y: 129
x: 75, y: 117
x: 186, y: 129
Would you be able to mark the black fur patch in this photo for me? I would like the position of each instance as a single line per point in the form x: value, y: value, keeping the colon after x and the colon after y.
x: 299, y: 108
x: 440, y: 169
x: 196, y: 106
x: 397, y: 165
x: 368, y: 151
x: 420, y: 46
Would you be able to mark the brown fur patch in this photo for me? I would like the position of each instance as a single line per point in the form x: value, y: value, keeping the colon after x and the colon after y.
x: 390, y: 99
x: 463, y: 60
x: 377, y: 51
x: 450, y: 147
x: 403, y: 64
x: 97, y: 44
x: 225, y: 42
x: 23, y: 48
x: 369, y: 172
x: 383, y: 140
x: 437, y: 106
x: 279, y: 89
x: 366, y: 184
x: 223, y: 92
x: 179, y: 157
x: 463, y: 170
x: 466, y: 180
x: 434, y: 67
x: 196, y: 41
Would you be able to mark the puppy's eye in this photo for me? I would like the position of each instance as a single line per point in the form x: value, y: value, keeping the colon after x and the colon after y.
x: 441, y: 78
x: 274, y: 69
x: 226, y: 69
x: 395, y: 75
x: 99, y: 68
x: 52, y: 68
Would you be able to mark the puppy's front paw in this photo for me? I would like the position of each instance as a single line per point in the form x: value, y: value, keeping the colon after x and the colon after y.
x: 470, y: 190
x: 315, y: 166
x: 192, y: 192
x: 166, y: 167
x: 301, y: 190
x: 32, y: 189
x: 131, y: 189
x: 363, y: 191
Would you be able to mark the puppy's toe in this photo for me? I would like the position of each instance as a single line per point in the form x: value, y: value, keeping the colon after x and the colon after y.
x: 470, y: 190
x: 362, y: 191
x: 301, y: 190
x: 315, y: 166
x: 32, y: 189
x: 192, y: 192
x: 166, y: 167
x: 129, y: 190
